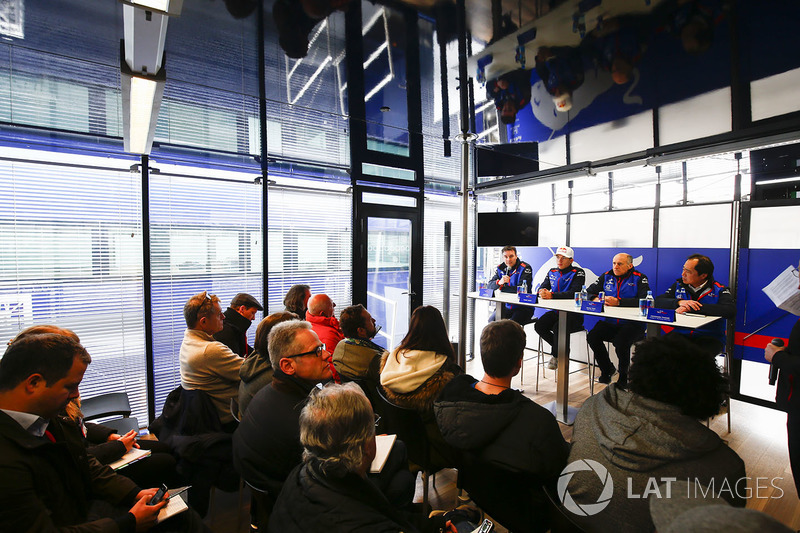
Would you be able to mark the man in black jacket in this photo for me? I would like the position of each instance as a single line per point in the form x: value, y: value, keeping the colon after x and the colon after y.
x: 511, y: 446
x: 47, y: 480
x: 238, y: 318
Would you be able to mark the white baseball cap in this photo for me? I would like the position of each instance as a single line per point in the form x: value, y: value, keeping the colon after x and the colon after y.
x: 566, y: 251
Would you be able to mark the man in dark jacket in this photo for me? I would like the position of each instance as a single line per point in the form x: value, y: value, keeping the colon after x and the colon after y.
x: 623, y: 286
x: 560, y: 283
x: 238, y: 318
x: 697, y: 292
x: 266, y: 445
x: 509, y: 276
x: 330, y: 490
x: 47, y: 480
x: 505, y: 437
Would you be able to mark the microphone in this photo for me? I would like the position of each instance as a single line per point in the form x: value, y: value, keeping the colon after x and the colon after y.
x: 773, y: 370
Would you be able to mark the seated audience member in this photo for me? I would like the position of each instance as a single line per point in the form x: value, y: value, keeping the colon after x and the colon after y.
x: 502, y: 428
x: 47, y: 480
x: 208, y: 365
x: 689, y: 507
x: 509, y: 275
x: 324, y: 324
x: 256, y: 371
x: 560, y: 283
x: 655, y: 431
x: 357, y: 357
x: 105, y: 444
x: 266, y: 445
x: 330, y: 490
x: 623, y: 286
x: 238, y: 318
x: 697, y: 292
x: 414, y: 374
x: 296, y: 300
x: 108, y: 446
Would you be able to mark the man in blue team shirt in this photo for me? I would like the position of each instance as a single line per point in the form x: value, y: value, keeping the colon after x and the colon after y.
x: 697, y: 292
x: 623, y: 286
x: 509, y: 275
x: 560, y: 283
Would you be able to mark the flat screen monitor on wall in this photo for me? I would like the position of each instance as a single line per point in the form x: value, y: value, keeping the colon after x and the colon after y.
x: 515, y: 229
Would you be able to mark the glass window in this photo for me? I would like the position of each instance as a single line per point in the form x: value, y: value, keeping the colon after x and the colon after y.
x: 711, y: 179
x: 672, y: 183
x: 619, y: 137
x: 552, y: 230
x: 72, y: 257
x: 310, y: 242
x: 382, y: 171
x: 634, y: 187
x: 614, y: 229
x: 775, y: 227
x: 439, y: 209
x: 775, y: 95
x: 204, y: 236
x: 700, y: 116
x: 590, y: 193
x: 537, y: 197
x: 696, y: 226
x: 385, y: 99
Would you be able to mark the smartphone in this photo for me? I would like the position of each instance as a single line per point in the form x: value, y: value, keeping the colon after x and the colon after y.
x: 485, y: 527
x: 158, y: 496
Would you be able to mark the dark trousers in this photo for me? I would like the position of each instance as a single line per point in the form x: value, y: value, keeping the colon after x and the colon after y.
x: 547, y: 328
x: 622, y: 336
x: 519, y: 313
x: 793, y: 431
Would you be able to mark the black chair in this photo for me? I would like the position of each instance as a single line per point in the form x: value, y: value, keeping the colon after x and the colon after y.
x: 562, y: 521
x: 110, y: 404
x: 514, y: 499
x: 123, y: 425
x: 261, y: 504
x: 409, y: 427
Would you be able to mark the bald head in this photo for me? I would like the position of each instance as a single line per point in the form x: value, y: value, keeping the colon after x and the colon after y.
x: 622, y: 264
x: 321, y: 305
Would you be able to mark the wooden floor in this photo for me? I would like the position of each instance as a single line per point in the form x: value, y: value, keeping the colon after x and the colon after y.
x: 758, y: 435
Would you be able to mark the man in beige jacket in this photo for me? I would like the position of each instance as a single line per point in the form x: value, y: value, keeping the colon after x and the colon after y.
x: 206, y: 364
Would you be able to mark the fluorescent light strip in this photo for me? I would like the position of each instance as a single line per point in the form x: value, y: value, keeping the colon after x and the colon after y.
x: 779, y: 180
x: 160, y: 5
x: 485, y: 133
x: 143, y: 93
x: 374, y: 55
x: 378, y: 14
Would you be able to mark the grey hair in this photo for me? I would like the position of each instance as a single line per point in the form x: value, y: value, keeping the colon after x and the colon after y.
x: 282, y: 340
x: 335, y: 425
x: 628, y: 257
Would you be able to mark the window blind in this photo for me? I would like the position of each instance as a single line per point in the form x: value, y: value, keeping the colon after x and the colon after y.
x: 205, y: 236
x: 71, y: 241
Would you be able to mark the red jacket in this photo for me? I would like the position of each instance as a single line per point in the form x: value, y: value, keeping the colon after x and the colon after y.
x: 327, y: 329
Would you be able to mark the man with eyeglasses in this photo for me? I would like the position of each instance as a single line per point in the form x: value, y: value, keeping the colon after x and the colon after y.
x: 697, y: 292
x: 266, y: 446
x: 324, y: 324
x: 206, y: 364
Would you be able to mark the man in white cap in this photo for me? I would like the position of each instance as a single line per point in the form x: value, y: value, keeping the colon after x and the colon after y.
x: 560, y: 283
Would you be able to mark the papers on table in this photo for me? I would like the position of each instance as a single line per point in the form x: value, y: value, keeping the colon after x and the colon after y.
x: 384, y: 445
x: 783, y: 291
x: 131, y: 457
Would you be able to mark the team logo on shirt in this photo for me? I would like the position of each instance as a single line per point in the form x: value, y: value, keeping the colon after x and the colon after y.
x: 586, y: 509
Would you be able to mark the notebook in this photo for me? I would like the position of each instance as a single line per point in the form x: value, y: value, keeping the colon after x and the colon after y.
x: 384, y: 445
x: 131, y: 457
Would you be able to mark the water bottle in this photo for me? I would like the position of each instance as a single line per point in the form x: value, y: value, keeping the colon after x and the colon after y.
x: 522, y: 289
x: 577, y: 300
x: 650, y: 300
x: 584, y: 294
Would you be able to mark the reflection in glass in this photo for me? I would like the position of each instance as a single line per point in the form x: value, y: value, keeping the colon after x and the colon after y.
x: 388, y: 277
x: 385, y: 98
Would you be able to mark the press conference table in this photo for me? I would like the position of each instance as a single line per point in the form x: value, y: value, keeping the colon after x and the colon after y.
x: 561, y: 409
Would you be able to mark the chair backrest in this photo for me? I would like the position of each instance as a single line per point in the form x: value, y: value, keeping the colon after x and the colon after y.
x: 562, y: 521
x: 514, y: 499
x: 123, y: 425
x: 111, y: 404
x: 409, y: 427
